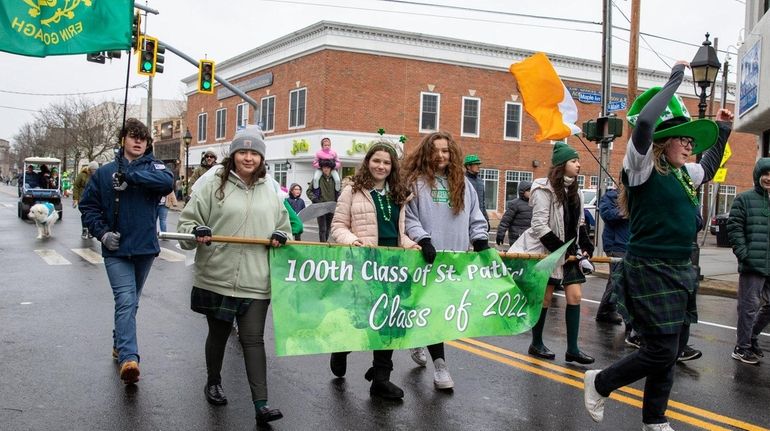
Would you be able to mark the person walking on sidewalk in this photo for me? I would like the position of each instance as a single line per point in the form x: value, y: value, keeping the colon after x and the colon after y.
x: 472, y: 165
x: 325, y: 192
x: 232, y: 281
x: 557, y: 218
x: 445, y: 214
x: 656, y: 280
x: 748, y: 228
x: 370, y: 212
x: 120, y: 208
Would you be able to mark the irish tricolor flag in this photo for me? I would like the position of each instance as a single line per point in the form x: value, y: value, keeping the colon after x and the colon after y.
x: 546, y: 98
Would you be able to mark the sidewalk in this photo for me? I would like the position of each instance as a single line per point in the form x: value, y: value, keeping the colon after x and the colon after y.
x: 718, y: 267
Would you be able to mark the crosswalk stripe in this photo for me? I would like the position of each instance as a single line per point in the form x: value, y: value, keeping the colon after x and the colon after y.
x: 51, y: 257
x: 89, y: 254
x: 171, y: 256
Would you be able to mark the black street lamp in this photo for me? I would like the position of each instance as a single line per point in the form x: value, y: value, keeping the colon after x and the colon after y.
x: 187, y: 139
x: 705, y: 67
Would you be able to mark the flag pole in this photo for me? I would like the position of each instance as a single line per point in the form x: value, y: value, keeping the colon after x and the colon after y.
x: 261, y: 241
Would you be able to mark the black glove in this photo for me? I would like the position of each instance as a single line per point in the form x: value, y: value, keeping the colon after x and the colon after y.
x: 499, y: 241
x: 119, y: 181
x: 428, y: 251
x: 201, y: 231
x: 278, y: 236
x: 480, y: 244
x: 111, y: 240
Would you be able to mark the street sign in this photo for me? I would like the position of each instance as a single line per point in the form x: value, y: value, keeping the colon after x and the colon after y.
x: 726, y: 156
x: 720, y: 176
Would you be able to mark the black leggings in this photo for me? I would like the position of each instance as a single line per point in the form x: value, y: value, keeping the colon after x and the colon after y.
x: 655, y: 360
x: 251, y: 329
x: 436, y: 351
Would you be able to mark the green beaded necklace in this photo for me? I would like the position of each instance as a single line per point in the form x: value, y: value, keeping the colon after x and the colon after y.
x: 386, y: 214
x: 684, y: 179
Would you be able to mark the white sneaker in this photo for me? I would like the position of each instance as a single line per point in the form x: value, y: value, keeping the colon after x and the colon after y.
x: 441, y: 377
x: 593, y: 400
x: 418, y: 356
x: 657, y: 427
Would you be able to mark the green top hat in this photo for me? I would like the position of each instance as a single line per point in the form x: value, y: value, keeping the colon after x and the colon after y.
x: 472, y: 159
x: 675, y: 121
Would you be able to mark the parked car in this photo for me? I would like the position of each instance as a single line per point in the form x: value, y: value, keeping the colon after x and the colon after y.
x: 717, y: 221
x: 589, y: 209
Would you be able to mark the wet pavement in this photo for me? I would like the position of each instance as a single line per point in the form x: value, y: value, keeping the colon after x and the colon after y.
x: 57, y: 372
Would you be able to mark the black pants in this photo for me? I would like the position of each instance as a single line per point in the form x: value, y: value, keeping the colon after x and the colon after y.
x: 324, y: 227
x: 381, y: 359
x: 251, y: 329
x: 655, y: 360
x: 609, y: 303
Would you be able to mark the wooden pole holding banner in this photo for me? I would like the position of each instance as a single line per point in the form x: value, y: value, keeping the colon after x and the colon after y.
x: 261, y: 241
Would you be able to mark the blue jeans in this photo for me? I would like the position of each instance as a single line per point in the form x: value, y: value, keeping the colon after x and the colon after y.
x: 127, y: 276
x: 162, y: 216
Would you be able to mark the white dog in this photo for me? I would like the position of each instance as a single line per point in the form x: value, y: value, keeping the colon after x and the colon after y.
x: 45, y: 215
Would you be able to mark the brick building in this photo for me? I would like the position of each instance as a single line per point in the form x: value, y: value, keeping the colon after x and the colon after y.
x: 346, y: 81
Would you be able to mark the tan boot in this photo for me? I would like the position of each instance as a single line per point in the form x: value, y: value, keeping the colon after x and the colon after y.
x: 129, y: 372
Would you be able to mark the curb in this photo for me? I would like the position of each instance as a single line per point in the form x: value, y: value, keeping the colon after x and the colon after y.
x: 707, y: 286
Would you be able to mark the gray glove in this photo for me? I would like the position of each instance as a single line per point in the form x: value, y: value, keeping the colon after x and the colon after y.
x: 111, y: 240
x: 119, y: 181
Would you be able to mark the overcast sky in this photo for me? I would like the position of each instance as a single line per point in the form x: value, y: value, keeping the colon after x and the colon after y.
x: 221, y: 30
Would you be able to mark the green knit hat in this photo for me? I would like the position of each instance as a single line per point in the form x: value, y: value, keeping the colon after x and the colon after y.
x: 562, y: 153
x: 472, y: 159
x: 675, y: 121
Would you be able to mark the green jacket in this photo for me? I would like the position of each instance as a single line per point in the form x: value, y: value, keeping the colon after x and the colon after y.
x: 748, y: 226
x: 237, y: 270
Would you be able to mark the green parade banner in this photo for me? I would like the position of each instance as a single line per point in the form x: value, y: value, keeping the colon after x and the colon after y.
x: 40, y: 28
x: 333, y: 299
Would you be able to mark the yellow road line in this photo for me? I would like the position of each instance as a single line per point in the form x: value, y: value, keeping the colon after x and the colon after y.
x: 631, y: 391
x: 539, y: 370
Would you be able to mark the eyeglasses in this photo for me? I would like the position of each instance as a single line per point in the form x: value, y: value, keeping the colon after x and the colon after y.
x: 685, y: 141
x: 211, y: 157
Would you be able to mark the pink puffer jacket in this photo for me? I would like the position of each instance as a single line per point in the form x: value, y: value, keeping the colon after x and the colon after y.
x: 356, y: 219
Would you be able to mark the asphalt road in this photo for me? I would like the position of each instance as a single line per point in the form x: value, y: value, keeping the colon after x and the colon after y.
x: 56, y: 371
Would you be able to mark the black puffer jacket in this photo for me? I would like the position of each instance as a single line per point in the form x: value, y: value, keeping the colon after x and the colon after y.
x: 748, y: 227
x: 517, y: 217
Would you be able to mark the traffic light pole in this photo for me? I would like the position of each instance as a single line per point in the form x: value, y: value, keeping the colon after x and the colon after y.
x: 225, y: 83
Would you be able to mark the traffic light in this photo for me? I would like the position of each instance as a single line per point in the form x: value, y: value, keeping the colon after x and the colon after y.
x: 136, y: 32
x: 159, y: 51
x: 206, y: 76
x: 148, y: 55
x: 95, y: 57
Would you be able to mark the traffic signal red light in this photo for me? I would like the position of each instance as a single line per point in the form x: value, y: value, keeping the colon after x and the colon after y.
x: 206, y: 76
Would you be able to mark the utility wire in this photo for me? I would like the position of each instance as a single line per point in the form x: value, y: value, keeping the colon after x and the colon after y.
x: 24, y: 93
x: 642, y: 37
x: 19, y: 109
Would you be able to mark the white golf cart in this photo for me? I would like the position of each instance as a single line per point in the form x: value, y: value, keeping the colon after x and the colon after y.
x: 38, y: 184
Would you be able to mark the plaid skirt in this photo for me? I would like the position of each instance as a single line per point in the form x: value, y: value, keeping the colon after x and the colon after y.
x: 656, y: 296
x: 218, y: 306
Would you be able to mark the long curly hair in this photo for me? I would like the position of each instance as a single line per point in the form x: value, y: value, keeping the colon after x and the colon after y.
x: 228, y: 164
x: 363, y: 179
x: 570, y: 197
x: 421, y: 163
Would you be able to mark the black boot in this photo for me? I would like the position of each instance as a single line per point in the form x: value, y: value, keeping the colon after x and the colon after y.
x: 339, y: 363
x: 381, y: 384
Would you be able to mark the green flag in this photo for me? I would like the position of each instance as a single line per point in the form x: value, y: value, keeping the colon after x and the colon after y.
x: 60, y: 27
x: 334, y: 299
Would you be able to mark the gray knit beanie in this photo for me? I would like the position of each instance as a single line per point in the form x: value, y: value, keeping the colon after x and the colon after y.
x: 250, y: 138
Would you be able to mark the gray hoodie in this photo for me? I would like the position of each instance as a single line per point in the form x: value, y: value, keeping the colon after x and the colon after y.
x: 429, y: 215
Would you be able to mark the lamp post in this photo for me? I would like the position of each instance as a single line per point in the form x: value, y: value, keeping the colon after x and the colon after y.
x: 705, y: 67
x: 187, y: 139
